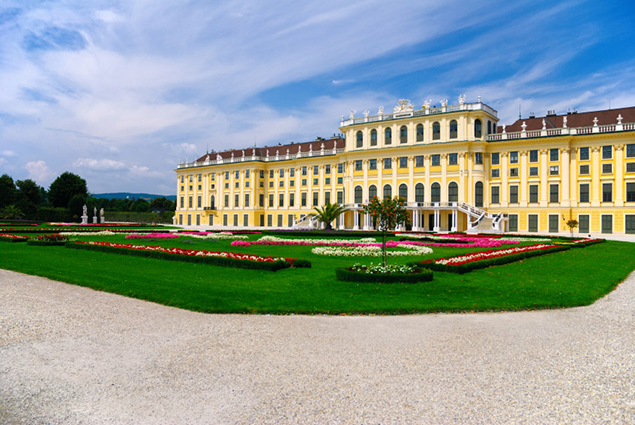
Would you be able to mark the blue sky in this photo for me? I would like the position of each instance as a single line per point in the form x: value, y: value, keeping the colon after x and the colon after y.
x: 120, y: 91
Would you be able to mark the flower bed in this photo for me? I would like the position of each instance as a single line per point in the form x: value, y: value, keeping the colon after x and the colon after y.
x: 6, y: 237
x: 380, y: 274
x: 152, y: 236
x: 369, y: 251
x: 479, y: 260
x: 219, y: 258
x: 581, y: 243
x: 48, y: 240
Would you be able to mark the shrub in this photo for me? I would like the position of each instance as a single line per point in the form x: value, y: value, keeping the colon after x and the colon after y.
x: 301, y: 264
x: 48, y: 240
x: 420, y: 274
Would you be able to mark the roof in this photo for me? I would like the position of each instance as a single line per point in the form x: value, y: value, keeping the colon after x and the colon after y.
x: 281, y: 150
x: 575, y: 119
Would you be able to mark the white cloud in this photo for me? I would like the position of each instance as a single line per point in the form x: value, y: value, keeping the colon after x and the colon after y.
x: 38, y: 171
x: 7, y: 153
x: 99, y: 164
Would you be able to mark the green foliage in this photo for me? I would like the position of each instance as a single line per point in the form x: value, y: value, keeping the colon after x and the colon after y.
x: 328, y: 213
x: 65, y: 187
x: 11, y: 212
x: 301, y: 264
x: 28, y: 197
x: 345, y: 274
x: 5, y: 239
x: 387, y: 214
x: 7, y: 191
x: 482, y: 264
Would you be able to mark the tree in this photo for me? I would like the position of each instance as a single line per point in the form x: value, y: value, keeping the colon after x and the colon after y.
x: 572, y: 224
x: 7, y: 191
x: 387, y: 214
x: 11, y: 211
x: 28, y: 198
x: 65, y: 187
x: 328, y: 213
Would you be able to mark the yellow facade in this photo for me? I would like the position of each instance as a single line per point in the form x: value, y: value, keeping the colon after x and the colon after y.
x: 455, y: 167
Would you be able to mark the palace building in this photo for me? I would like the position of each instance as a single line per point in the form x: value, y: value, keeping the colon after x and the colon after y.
x: 455, y: 166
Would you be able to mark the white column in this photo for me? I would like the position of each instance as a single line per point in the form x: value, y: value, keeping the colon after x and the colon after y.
x: 356, y: 218
x: 566, y: 184
x: 411, y: 178
x: 619, y: 176
x: 544, y: 181
x: 454, y: 220
x: 342, y: 227
x: 523, y: 179
x: 462, y: 177
x: 504, y: 185
x: 595, y: 156
x: 444, y: 177
x: 437, y: 220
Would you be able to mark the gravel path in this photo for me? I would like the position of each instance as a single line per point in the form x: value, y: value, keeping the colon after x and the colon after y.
x: 71, y: 355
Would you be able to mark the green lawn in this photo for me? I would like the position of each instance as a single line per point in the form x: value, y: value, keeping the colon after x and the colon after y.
x: 564, y: 279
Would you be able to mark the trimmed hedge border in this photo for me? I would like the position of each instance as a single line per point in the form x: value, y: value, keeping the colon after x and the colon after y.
x: 482, y: 264
x: 585, y: 244
x: 216, y: 261
x: 35, y: 242
x: 20, y: 239
x: 423, y: 275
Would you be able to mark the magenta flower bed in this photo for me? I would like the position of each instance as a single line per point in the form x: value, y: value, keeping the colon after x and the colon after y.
x: 152, y: 236
x: 478, y: 243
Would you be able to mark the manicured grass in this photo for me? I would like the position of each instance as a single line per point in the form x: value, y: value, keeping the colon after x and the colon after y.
x: 564, y: 279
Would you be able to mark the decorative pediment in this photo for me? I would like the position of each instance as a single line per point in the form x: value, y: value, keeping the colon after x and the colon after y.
x: 404, y: 105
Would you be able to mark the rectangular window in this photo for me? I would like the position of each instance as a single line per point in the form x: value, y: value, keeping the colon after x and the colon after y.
x: 495, y: 158
x: 270, y: 174
x: 303, y: 182
x: 282, y: 173
x: 513, y: 194
x: 553, y: 154
x: 583, y: 223
x: 496, y: 173
x: 513, y: 157
x: 246, y: 220
x: 327, y: 180
x: 236, y: 200
x: 281, y: 199
x: 553, y: 223
x: 630, y: 192
x: 513, y: 172
x: 261, y: 200
x: 269, y: 220
x: 453, y: 159
x: 533, y: 193
x: 182, y: 179
x: 358, y: 165
x: 304, y: 171
x: 316, y: 198
x: 513, y: 222
x: 290, y: 219
x: 584, y: 192
x: 630, y: 224
x: 225, y: 222
x: 403, y: 162
x: 291, y: 172
x: 303, y: 199
x: 607, y: 192
x: 247, y: 174
x: 271, y: 184
x: 533, y: 171
x: 340, y: 168
x: 226, y: 175
x: 262, y: 174
x: 315, y: 182
x: 340, y: 180
x: 630, y: 167
x: 226, y: 185
x: 292, y: 199
x: 182, y: 202
x: 584, y: 169
x: 419, y: 161
x: 607, y: 223
x: 584, y: 154
x: 213, y: 176
x: 533, y: 156
x: 495, y: 199
x: 387, y: 163
x: 327, y: 198
x: 607, y: 168
x: 237, y: 185
x: 235, y: 219
x: 327, y: 169
x: 554, y: 193
x: 316, y: 170
x: 478, y: 158
x: 630, y: 151
x: 340, y: 197
x: 271, y: 200
x: 226, y: 203
x: 554, y: 170
x: 607, y: 152
x: 281, y: 183
x: 372, y: 164
x: 532, y: 222
x: 246, y: 200
x: 436, y: 160
x: 247, y: 184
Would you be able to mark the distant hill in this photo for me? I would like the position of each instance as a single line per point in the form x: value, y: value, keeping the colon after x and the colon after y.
x: 124, y: 195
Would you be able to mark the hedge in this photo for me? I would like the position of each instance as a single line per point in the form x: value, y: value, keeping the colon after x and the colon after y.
x: 217, y: 261
x: 421, y: 275
x: 37, y: 242
x: 482, y: 264
x: 585, y: 244
x: 19, y: 239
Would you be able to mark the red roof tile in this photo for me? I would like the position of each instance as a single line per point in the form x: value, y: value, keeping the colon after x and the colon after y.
x: 579, y: 119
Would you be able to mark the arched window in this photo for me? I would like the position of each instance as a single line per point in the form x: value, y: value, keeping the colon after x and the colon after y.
x: 360, y: 139
x: 372, y: 192
x: 435, y: 192
x: 489, y: 126
x: 436, y: 131
x: 453, y: 192
x: 387, y: 191
x: 493, y: 128
x: 403, y: 134
x: 419, y: 193
x: 478, y: 194
x: 358, y: 195
x: 420, y: 133
x: 478, y: 130
x: 403, y: 192
x: 373, y: 137
x: 454, y: 129
x: 388, y: 136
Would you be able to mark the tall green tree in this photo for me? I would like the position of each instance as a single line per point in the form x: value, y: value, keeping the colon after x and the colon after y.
x: 28, y: 197
x: 7, y: 190
x: 387, y: 214
x: 65, y: 187
x: 328, y: 213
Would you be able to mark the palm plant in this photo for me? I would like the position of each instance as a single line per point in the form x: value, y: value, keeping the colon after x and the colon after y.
x: 11, y: 211
x: 328, y: 213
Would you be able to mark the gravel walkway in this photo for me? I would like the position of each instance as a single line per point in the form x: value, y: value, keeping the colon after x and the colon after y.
x: 71, y: 355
